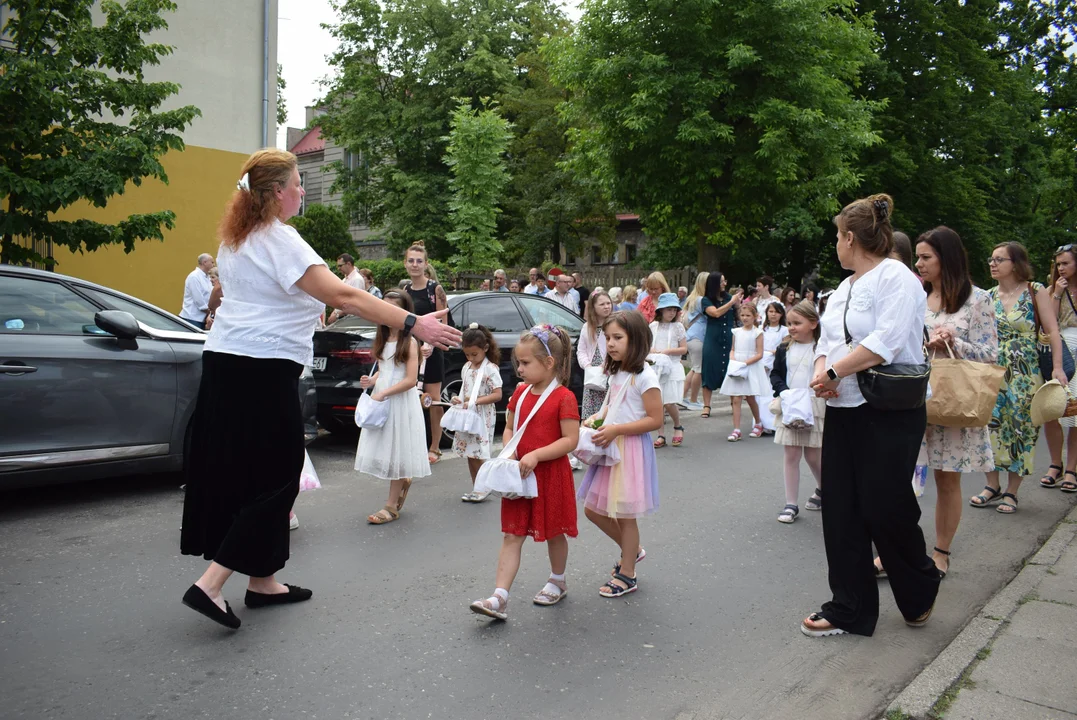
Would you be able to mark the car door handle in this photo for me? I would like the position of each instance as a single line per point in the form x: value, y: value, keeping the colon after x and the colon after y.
x: 11, y: 368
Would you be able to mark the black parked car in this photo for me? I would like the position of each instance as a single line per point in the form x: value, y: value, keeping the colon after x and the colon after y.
x: 343, y: 352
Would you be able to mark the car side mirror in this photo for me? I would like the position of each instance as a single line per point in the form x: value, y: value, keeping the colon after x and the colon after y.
x: 119, y: 323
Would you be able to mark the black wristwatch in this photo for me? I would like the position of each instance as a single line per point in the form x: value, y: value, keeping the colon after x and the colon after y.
x: 831, y: 374
x: 409, y: 323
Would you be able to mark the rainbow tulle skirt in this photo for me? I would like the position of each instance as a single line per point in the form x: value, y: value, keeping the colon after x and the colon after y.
x: 628, y: 489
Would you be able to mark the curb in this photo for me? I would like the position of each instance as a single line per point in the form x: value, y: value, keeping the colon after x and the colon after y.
x: 919, y: 697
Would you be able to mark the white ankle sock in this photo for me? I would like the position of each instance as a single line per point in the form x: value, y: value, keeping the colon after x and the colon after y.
x: 501, y: 595
x: 551, y: 589
x: 558, y: 578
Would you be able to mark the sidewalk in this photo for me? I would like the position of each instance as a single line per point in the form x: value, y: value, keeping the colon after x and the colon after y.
x: 1015, y: 659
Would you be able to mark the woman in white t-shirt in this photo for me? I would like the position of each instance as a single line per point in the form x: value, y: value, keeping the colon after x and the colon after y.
x: 246, y: 450
x: 869, y: 453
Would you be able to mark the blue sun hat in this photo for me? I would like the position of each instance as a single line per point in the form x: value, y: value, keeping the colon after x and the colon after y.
x: 668, y: 300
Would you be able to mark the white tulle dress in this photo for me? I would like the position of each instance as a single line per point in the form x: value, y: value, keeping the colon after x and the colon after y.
x: 398, y: 449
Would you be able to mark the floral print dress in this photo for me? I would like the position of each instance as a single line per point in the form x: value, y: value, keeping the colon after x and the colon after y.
x: 478, y: 446
x: 954, y: 449
x: 1013, y: 436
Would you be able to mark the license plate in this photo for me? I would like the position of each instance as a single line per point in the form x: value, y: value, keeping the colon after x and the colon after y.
x: 318, y: 364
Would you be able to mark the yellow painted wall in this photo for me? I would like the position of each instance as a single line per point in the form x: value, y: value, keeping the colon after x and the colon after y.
x: 200, y: 182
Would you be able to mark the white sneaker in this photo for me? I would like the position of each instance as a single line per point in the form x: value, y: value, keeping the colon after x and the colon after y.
x: 293, y: 522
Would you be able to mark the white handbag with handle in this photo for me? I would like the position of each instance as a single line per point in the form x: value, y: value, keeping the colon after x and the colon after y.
x: 467, y: 420
x: 586, y: 450
x: 797, y: 412
x: 502, y: 474
x: 371, y: 413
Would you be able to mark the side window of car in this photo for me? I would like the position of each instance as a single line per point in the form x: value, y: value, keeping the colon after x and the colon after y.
x: 495, y: 312
x: 40, y: 307
x: 143, y: 314
x: 544, y: 312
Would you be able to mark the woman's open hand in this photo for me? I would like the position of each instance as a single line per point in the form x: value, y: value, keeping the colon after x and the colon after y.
x: 430, y: 329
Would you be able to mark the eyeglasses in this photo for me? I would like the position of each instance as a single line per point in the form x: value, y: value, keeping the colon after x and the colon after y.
x: 1063, y: 248
x: 998, y: 261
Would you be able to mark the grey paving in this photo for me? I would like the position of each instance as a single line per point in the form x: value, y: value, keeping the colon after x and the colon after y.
x: 1015, y: 658
x: 91, y: 624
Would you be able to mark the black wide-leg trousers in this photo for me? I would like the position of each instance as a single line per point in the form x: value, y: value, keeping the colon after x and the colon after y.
x: 869, y: 457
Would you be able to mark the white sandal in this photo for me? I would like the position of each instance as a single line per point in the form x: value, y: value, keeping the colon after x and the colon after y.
x: 548, y: 598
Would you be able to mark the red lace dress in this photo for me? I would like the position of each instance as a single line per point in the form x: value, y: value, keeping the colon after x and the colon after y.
x: 553, y: 512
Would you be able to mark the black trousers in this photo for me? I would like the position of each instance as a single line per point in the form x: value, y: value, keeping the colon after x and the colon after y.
x: 868, y: 460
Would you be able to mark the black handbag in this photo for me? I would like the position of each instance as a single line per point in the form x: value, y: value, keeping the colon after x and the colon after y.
x: 1043, y: 349
x: 897, y: 386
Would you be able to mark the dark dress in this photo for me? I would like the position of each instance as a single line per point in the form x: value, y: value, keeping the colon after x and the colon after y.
x: 237, y: 502
x: 425, y: 301
x: 716, y: 344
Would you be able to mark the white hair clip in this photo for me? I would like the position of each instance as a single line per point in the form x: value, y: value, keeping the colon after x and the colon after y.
x: 473, y: 326
x: 244, y: 182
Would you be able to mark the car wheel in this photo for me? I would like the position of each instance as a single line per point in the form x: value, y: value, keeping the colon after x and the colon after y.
x: 449, y: 389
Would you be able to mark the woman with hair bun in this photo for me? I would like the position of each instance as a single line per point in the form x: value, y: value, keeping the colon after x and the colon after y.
x: 869, y: 453
x: 247, y: 447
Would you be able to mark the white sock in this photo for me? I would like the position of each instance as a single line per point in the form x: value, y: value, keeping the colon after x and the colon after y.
x: 558, y: 578
x: 551, y: 589
x: 500, y: 597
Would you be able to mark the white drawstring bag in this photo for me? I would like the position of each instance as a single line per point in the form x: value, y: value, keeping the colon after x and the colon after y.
x: 502, y: 474
x: 663, y: 364
x: 737, y: 369
x: 308, y: 478
x: 458, y: 419
x: 586, y: 450
x: 594, y: 377
x: 797, y: 412
x: 371, y: 413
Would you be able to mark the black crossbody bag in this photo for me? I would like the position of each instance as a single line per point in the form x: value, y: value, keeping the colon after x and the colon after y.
x: 897, y: 386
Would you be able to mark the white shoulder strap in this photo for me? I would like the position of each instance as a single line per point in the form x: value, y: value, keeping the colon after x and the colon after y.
x: 475, y: 383
x: 373, y: 369
x: 519, y: 433
x: 611, y: 407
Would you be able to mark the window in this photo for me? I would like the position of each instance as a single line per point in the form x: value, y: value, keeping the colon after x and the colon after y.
x: 596, y: 255
x: 545, y: 312
x: 352, y: 161
x: 570, y: 259
x: 497, y: 314
x: 303, y: 200
x: 630, y: 252
x: 40, y: 307
x: 143, y: 314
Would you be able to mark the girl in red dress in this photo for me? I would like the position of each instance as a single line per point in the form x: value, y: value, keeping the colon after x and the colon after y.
x: 542, y: 357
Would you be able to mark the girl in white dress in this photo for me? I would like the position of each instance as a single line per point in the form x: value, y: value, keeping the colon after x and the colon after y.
x: 397, y: 450
x: 747, y: 350
x: 774, y: 332
x: 668, y: 337
x: 484, y: 358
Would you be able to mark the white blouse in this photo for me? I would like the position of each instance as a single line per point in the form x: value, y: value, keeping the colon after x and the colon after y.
x: 264, y: 314
x: 585, y: 348
x: 886, y: 315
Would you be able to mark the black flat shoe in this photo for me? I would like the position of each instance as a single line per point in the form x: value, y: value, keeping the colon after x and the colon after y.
x: 295, y: 594
x: 196, y: 599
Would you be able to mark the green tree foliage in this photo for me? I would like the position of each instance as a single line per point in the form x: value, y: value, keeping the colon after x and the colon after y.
x: 400, y: 65
x: 978, y: 133
x: 282, y: 107
x: 325, y: 228
x: 716, y: 121
x: 477, y: 141
x: 80, y: 121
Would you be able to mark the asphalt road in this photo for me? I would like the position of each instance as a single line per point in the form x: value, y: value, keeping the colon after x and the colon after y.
x: 91, y: 624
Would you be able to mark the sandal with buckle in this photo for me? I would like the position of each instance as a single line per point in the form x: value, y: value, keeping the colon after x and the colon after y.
x: 984, y: 499
x: 788, y: 514
x: 815, y: 502
x: 1068, y: 486
x: 639, y: 558
x: 816, y: 618
x: 486, y: 607
x: 433, y: 456
x: 547, y: 598
x: 387, y: 514
x: 921, y: 620
x: 734, y: 436
x: 757, y: 431
x: 613, y: 590
x: 660, y: 442
x: 1007, y: 508
x: 942, y: 573
x: 706, y: 411
x: 678, y: 440
x: 1050, y: 481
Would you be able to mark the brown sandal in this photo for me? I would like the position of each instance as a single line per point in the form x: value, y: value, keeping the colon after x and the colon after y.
x: 386, y: 515
x: 706, y: 411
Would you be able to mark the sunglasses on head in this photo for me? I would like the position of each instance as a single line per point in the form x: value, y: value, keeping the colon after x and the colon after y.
x: 1063, y: 248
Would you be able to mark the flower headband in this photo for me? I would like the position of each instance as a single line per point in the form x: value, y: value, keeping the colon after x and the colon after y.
x: 244, y: 182
x: 542, y: 332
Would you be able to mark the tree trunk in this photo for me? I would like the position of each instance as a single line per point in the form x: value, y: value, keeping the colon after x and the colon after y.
x: 708, y: 255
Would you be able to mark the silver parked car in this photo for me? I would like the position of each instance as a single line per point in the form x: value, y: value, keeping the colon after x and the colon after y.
x: 93, y: 382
